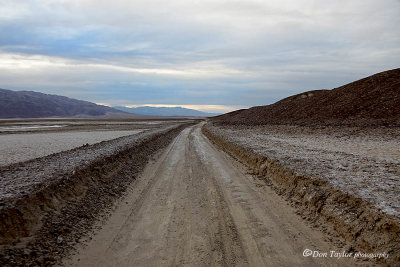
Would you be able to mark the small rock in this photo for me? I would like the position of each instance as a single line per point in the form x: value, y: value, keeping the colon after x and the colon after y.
x: 59, y: 240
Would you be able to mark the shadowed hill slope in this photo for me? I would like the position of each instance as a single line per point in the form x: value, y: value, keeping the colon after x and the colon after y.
x: 28, y: 104
x: 374, y: 100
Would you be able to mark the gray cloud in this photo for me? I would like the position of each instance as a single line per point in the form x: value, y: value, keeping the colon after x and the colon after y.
x: 241, y: 53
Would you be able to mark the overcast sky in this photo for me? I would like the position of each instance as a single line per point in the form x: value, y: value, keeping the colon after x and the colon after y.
x: 211, y: 55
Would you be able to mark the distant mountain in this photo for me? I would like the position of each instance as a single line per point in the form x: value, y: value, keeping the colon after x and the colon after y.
x: 28, y: 104
x: 374, y: 100
x: 167, y: 111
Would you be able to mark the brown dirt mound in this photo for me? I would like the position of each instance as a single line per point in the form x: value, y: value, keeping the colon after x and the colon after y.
x: 374, y: 100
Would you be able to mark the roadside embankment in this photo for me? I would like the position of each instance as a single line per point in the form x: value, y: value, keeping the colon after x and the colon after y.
x: 48, y: 204
x: 358, y: 220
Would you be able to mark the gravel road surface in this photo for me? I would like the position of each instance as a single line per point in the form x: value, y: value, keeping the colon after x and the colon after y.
x: 195, y: 206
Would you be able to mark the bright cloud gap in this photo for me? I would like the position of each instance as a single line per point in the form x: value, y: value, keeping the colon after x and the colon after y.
x: 205, y: 108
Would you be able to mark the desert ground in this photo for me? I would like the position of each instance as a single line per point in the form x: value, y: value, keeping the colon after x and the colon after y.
x: 30, y: 139
x: 357, y: 160
x: 195, y: 206
x: 183, y: 193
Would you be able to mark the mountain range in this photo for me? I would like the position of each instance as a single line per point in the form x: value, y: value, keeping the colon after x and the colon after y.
x: 373, y: 100
x: 29, y: 104
x: 166, y: 111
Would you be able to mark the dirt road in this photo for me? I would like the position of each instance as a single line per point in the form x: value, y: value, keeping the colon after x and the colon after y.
x: 195, y: 206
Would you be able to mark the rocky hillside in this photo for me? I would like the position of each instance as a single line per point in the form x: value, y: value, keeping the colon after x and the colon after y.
x: 28, y: 104
x: 374, y: 100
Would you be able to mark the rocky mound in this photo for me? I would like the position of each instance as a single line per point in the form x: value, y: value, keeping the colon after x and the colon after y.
x: 374, y: 100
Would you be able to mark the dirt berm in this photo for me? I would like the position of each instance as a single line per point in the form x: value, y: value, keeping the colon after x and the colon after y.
x: 40, y: 227
x: 359, y: 223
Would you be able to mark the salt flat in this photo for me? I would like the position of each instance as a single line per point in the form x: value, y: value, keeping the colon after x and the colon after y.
x: 360, y: 161
x: 25, y: 146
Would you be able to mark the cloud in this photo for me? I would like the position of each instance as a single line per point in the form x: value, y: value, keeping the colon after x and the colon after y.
x: 210, y: 52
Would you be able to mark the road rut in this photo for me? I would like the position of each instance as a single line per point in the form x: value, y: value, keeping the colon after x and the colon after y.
x: 196, y: 206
